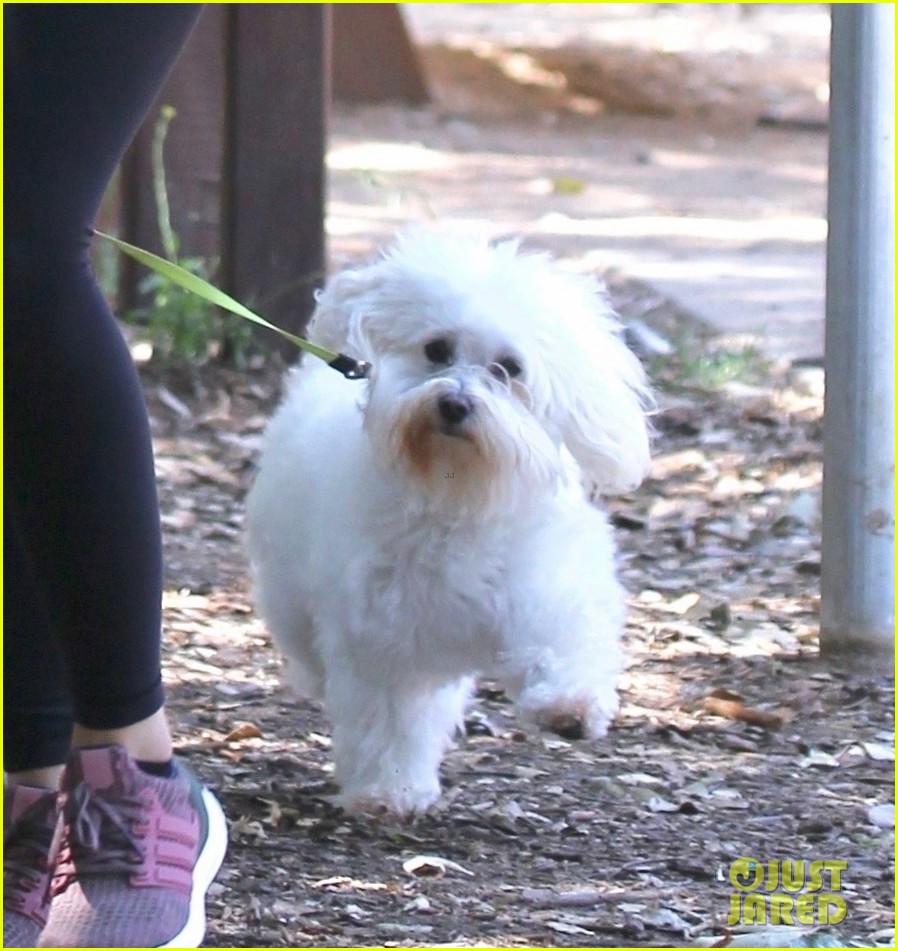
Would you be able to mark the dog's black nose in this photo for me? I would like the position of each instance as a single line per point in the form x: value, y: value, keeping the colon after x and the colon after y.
x: 454, y: 408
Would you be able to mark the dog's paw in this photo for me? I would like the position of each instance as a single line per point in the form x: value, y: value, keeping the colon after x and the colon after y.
x: 567, y: 725
x: 369, y: 807
x: 574, y: 719
x: 388, y: 805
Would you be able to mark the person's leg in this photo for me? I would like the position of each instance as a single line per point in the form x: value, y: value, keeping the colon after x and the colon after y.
x: 37, y: 727
x: 37, y: 715
x: 78, y: 463
x: 84, y: 580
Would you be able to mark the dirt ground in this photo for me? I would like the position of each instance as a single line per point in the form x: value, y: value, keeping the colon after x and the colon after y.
x: 734, y: 740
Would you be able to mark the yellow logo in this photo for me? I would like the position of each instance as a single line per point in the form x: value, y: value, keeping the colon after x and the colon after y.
x: 786, y: 892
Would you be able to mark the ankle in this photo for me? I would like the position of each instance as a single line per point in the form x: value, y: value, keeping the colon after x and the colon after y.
x: 46, y: 777
x: 148, y: 740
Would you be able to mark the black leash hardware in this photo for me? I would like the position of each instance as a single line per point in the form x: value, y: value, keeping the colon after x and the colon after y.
x: 351, y: 368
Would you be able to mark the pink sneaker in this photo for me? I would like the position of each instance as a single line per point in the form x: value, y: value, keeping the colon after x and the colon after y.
x: 29, y: 820
x: 138, y: 854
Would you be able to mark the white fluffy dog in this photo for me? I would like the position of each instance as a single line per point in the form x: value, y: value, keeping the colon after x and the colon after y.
x: 434, y: 521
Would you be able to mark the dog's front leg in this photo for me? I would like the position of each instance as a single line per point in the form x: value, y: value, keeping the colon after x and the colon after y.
x: 561, y: 648
x: 389, y: 739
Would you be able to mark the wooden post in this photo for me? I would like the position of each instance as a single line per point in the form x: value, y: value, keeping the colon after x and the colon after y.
x: 194, y: 152
x: 244, y: 159
x: 273, y: 222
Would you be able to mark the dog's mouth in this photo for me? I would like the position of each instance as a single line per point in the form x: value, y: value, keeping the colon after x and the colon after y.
x: 455, y: 431
x: 446, y: 435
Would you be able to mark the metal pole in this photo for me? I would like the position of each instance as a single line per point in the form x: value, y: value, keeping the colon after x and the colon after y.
x: 858, y: 562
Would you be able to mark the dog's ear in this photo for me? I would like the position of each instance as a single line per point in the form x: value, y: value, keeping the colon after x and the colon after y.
x: 334, y: 324
x: 600, y: 397
x: 606, y: 433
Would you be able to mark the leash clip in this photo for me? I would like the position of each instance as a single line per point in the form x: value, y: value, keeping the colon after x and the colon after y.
x: 351, y: 368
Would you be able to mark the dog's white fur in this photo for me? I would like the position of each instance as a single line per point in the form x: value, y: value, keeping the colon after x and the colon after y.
x: 398, y: 551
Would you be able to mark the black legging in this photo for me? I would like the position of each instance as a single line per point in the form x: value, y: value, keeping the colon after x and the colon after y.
x: 82, y: 542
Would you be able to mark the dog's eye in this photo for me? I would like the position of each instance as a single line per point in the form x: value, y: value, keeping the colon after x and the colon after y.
x: 439, y: 351
x: 506, y: 368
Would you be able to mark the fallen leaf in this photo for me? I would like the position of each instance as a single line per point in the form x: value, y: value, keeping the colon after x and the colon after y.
x: 882, y: 815
x: 819, y: 758
x: 420, y: 903
x: 275, y: 813
x: 431, y: 866
x: 342, y: 882
x: 879, y: 751
x: 684, y: 603
x: 562, y: 927
x: 639, y: 779
x: 176, y: 405
x: 660, y: 804
x: 732, y: 707
x: 245, y: 827
x: 567, y: 185
x: 244, y: 731
x: 179, y: 520
x: 667, y: 920
x: 580, y: 898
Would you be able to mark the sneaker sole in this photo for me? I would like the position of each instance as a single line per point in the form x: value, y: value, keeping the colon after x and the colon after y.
x: 207, y: 865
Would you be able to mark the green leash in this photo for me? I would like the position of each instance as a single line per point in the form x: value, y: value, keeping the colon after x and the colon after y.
x: 351, y: 368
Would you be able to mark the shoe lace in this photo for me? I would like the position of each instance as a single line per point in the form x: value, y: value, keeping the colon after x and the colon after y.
x: 27, y: 843
x: 102, y: 836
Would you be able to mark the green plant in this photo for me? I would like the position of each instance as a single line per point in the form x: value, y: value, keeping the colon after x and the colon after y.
x: 698, y: 360
x: 713, y: 368
x: 182, y: 326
